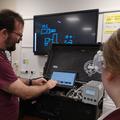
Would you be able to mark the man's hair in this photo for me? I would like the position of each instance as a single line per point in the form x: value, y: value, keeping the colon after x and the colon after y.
x: 111, y: 52
x: 8, y: 18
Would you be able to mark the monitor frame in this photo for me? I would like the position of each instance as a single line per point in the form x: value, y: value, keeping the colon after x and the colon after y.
x: 65, y: 73
x: 41, y: 49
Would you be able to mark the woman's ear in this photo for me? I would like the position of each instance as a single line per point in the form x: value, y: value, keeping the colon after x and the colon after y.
x: 107, y: 75
x: 110, y: 76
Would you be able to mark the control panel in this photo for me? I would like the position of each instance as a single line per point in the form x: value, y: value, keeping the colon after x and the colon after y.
x: 92, y: 92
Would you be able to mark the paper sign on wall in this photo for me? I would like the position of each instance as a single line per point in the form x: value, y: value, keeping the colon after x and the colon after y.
x: 111, y: 23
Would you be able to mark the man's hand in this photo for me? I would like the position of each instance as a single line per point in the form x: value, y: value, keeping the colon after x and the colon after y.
x: 51, y: 84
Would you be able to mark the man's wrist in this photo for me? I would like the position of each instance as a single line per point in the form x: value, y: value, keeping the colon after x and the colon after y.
x: 47, y: 86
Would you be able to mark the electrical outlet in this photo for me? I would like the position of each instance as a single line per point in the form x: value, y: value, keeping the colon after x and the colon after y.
x: 32, y: 72
x: 24, y: 71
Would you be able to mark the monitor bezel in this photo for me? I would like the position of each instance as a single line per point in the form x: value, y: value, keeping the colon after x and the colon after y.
x: 58, y: 14
x: 66, y: 86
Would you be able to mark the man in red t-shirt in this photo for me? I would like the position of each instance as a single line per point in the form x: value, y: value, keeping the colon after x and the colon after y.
x: 12, y: 87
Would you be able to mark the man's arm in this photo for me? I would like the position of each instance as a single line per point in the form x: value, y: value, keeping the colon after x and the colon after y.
x: 36, y: 81
x: 24, y: 91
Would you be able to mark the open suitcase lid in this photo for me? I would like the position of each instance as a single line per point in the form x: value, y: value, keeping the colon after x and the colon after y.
x: 73, y: 58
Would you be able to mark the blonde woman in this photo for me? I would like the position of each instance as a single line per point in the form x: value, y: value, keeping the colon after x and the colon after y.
x: 111, y: 73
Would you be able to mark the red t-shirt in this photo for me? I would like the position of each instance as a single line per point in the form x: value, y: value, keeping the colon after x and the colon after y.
x: 9, y: 105
x: 115, y: 115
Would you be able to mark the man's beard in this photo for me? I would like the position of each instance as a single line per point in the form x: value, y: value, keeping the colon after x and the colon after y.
x: 11, y: 48
x: 10, y: 45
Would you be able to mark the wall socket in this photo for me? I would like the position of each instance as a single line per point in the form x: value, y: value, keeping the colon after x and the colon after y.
x: 32, y: 72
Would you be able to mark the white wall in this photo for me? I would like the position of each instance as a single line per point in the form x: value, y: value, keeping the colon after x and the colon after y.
x: 33, y: 7
x: 6, y: 4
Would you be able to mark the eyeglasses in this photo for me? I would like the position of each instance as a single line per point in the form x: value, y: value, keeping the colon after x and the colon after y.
x: 19, y: 34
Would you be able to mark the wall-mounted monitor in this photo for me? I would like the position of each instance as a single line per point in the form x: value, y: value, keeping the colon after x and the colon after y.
x: 79, y: 27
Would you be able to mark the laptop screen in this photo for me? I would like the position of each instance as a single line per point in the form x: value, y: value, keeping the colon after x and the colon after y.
x: 65, y: 79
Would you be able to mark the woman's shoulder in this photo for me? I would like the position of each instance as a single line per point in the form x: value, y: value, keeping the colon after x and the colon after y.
x: 111, y: 115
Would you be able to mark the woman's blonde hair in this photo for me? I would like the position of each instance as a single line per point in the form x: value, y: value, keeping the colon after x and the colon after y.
x: 111, y: 52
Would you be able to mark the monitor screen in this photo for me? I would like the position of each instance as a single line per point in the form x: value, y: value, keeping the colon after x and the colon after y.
x: 89, y: 91
x: 65, y: 79
x: 78, y: 27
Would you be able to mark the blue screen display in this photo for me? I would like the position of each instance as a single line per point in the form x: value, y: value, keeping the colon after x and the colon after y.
x: 78, y: 27
x: 89, y: 91
x: 64, y: 78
